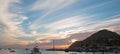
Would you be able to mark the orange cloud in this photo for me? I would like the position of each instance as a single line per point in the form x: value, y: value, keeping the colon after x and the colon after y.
x: 56, y: 46
x: 23, y: 43
x: 62, y: 46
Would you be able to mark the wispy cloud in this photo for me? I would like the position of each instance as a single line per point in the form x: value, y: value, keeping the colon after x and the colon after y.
x: 99, y: 5
x: 10, y: 22
x: 104, y: 24
x: 76, y: 21
x: 50, y: 6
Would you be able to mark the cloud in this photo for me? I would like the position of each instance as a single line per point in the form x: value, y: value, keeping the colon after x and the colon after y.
x: 111, y: 23
x: 115, y: 16
x: 105, y: 24
x: 71, y: 22
x: 99, y: 5
x: 50, y: 6
x: 63, y: 42
x: 19, y: 19
x: 10, y: 22
x: 65, y: 23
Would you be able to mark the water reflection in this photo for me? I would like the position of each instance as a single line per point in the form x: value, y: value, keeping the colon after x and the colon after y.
x: 20, y: 51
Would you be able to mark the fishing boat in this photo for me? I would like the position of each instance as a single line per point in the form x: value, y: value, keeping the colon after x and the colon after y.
x: 35, y: 50
x: 12, y: 50
x: 9, y: 49
x: 27, y: 49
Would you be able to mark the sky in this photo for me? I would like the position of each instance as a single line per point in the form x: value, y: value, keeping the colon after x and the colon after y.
x: 26, y: 23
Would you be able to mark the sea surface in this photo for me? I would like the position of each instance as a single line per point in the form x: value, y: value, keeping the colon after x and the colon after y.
x: 18, y: 51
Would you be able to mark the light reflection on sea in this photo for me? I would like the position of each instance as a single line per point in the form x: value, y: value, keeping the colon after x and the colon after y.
x: 50, y: 52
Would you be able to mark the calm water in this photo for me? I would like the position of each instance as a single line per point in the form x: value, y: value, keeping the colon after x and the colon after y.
x: 49, y: 52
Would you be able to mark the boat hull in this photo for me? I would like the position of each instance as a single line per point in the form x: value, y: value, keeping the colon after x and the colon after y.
x: 36, y: 53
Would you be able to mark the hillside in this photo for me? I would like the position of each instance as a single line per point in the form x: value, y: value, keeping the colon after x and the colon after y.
x: 99, y: 39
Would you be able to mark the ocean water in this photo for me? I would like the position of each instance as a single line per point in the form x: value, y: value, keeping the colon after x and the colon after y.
x: 50, y: 52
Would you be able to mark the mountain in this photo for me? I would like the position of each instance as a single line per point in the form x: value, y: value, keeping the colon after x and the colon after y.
x: 99, y: 39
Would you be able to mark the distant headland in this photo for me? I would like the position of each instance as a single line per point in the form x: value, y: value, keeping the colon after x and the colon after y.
x: 103, y: 40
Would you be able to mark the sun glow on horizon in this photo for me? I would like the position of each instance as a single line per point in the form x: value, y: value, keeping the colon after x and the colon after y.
x: 73, y: 40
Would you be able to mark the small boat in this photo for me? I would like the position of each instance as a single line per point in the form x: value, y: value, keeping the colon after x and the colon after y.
x: 35, y: 50
x: 27, y: 49
x: 12, y: 50
x: 0, y: 48
x: 9, y: 49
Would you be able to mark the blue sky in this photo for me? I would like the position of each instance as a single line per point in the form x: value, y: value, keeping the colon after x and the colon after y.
x: 26, y: 21
x: 102, y: 9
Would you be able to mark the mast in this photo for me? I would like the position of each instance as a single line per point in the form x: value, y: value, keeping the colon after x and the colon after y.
x: 53, y: 44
